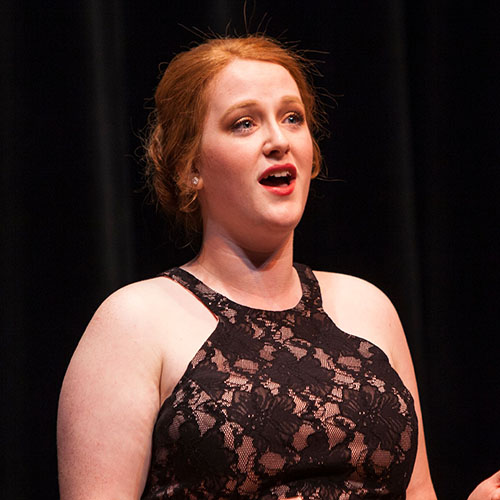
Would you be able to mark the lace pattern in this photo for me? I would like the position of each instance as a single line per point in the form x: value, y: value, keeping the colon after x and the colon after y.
x: 277, y: 404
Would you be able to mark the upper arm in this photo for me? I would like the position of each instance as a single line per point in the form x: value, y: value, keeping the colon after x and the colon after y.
x: 420, y: 487
x: 362, y: 309
x: 108, y: 404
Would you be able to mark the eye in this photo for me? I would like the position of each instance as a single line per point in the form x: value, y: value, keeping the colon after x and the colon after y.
x: 243, y: 125
x: 295, y: 118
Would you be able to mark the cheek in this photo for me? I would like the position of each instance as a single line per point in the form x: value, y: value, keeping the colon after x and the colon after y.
x: 307, y: 150
x: 219, y: 171
x: 224, y: 161
x: 211, y: 161
x: 215, y: 168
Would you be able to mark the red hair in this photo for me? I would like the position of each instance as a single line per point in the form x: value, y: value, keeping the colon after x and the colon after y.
x: 176, y: 124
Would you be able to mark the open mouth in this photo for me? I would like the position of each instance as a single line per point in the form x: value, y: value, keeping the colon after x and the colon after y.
x: 277, y: 179
x: 278, y: 176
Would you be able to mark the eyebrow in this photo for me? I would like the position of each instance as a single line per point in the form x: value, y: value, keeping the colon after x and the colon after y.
x: 287, y: 99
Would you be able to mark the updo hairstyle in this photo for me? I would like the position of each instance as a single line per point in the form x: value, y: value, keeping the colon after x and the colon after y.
x: 176, y: 123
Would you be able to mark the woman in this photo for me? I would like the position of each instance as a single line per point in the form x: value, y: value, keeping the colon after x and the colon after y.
x: 226, y: 378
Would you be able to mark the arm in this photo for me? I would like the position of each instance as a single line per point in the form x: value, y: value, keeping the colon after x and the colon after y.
x: 108, y: 404
x: 420, y: 487
x: 360, y: 308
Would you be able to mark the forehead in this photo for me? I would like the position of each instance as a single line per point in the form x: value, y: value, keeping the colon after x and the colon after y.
x: 244, y: 79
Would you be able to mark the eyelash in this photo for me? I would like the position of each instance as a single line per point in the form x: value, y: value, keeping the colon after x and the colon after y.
x: 238, y: 126
x: 299, y: 117
x: 296, y: 115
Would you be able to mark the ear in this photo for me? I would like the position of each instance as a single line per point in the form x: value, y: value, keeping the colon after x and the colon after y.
x: 197, y: 181
x: 190, y: 176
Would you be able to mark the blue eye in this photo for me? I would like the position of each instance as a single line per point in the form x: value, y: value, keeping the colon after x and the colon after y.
x: 243, y: 124
x: 295, y: 118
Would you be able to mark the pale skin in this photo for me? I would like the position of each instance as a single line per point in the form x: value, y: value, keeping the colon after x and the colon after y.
x: 141, y: 339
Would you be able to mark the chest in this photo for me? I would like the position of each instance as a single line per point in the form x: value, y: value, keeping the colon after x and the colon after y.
x: 283, y: 397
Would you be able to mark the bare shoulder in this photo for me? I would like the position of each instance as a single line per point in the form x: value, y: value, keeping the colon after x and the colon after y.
x: 155, y: 320
x: 126, y: 320
x: 347, y: 288
x: 148, y: 311
x: 362, y: 309
x: 129, y: 357
x: 139, y: 304
x: 122, y: 341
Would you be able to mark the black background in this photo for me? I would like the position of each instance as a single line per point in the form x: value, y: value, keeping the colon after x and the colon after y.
x: 410, y: 204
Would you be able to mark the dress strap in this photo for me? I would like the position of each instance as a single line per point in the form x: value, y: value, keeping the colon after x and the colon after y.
x: 212, y: 299
x: 311, y: 292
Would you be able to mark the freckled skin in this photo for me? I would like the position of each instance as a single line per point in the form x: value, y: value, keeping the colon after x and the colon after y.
x: 255, y: 119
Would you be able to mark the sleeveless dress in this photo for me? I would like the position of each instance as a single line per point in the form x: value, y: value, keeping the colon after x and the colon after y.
x: 277, y: 404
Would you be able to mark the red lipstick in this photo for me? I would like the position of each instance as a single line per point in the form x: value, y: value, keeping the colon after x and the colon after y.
x: 279, y: 179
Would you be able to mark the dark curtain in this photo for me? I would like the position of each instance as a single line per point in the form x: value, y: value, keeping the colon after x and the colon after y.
x: 410, y: 204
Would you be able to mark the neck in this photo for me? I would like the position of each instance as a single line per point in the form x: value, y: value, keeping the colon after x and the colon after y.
x: 257, y: 277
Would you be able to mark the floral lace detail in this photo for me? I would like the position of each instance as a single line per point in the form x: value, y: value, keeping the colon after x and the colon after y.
x: 277, y: 404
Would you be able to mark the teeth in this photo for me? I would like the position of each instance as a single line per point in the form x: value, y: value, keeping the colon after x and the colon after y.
x: 280, y: 174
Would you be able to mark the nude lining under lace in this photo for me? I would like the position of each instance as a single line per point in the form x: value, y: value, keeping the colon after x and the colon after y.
x: 278, y: 404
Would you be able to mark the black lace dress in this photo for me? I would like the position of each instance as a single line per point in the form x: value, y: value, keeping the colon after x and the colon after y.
x: 278, y: 404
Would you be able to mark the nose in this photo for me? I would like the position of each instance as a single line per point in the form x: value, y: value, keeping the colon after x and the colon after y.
x: 276, y: 141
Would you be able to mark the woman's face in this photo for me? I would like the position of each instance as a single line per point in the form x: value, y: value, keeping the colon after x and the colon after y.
x: 256, y: 152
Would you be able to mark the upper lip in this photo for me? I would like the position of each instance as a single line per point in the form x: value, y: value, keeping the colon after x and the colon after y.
x: 274, y: 169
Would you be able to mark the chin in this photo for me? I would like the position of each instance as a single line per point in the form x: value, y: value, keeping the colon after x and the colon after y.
x: 287, y: 218
x: 280, y: 225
